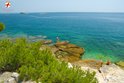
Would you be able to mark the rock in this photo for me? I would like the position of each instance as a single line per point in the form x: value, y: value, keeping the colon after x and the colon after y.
x: 70, y: 65
x: 98, y: 75
x: 54, y: 49
x: 68, y: 52
x: 61, y: 43
x: 120, y: 63
x: 95, y: 64
x: 70, y: 59
x: 9, y: 77
x: 46, y: 41
x: 112, y: 74
x: 10, y: 80
x: 109, y: 73
x: 15, y: 76
x: 76, y: 50
x: 30, y: 82
x: 4, y: 76
x: 61, y: 53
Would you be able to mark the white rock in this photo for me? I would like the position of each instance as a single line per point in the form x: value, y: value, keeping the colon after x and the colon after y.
x: 10, y: 80
x: 109, y: 74
x: 9, y: 77
x: 70, y: 65
x: 4, y: 76
x: 29, y: 81
x: 112, y: 74
x: 15, y: 76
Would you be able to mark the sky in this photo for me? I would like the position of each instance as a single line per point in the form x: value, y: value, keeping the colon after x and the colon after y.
x: 62, y: 6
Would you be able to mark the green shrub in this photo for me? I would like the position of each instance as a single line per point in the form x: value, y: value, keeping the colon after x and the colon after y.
x: 2, y: 26
x: 31, y: 63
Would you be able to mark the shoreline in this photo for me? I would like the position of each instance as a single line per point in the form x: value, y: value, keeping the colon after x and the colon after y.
x: 71, y: 54
x: 87, y: 55
x: 105, y: 71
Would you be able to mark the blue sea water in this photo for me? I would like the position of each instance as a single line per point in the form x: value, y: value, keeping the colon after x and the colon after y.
x: 101, y: 34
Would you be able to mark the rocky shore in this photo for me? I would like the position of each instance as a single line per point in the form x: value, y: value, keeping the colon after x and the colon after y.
x: 105, y: 72
x: 67, y: 52
x: 70, y: 53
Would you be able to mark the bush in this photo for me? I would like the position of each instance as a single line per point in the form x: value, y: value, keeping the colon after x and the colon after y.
x: 2, y: 26
x: 31, y: 63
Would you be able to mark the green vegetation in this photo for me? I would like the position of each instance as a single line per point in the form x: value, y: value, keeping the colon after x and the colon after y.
x: 2, y: 26
x: 120, y: 63
x: 32, y: 63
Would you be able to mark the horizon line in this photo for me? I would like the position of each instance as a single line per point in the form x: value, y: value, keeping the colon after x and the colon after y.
x: 54, y: 12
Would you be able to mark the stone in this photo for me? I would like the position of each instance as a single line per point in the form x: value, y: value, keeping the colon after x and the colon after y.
x: 69, y: 52
x: 74, y: 50
x: 4, y: 76
x: 12, y: 77
x: 70, y: 65
x: 54, y: 49
x: 109, y: 73
x: 61, y: 53
x: 46, y: 41
x: 95, y: 64
x: 9, y: 77
x: 15, y: 76
x: 61, y: 43
x: 70, y: 59
x: 10, y: 80
x: 112, y: 74
x: 30, y: 82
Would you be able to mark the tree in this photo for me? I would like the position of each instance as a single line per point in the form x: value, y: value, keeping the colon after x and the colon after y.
x: 2, y: 26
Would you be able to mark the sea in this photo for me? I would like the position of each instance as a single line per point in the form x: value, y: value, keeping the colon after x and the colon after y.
x: 100, y: 34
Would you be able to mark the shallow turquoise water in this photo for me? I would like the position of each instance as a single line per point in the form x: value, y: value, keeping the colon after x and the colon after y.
x: 101, y: 34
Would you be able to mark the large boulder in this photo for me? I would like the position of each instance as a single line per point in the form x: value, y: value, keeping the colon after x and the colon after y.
x: 107, y: 73
x: 68, y: 52
x: 111, y: 74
